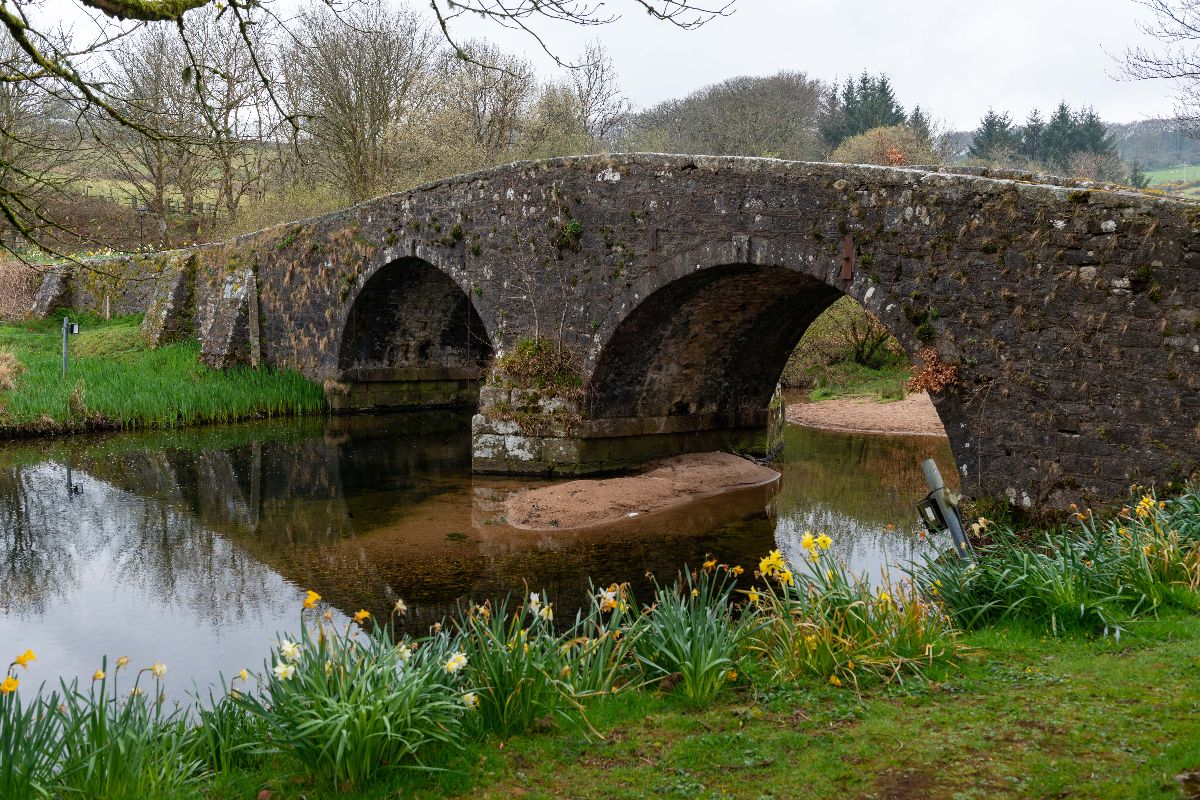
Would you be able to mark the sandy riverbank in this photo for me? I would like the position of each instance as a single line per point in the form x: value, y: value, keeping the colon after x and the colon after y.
x: 661, y: 485
x: 912, y: 416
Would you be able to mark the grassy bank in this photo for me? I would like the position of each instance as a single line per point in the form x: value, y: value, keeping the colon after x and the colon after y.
x: 847, y: 379
x: 116, y: 382
x: 1025, y: 715
x: 1058, y: 663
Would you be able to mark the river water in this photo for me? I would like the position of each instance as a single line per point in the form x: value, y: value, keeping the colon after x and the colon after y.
x: 195, y: 547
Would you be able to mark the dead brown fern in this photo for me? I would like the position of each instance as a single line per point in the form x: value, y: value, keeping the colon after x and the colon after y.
x: 10, y: 370
x: 931, y: 374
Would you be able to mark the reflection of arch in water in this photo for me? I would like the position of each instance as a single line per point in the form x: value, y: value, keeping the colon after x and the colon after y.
x: 411, y: 338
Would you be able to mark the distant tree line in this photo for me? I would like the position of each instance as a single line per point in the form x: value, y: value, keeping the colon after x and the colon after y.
x: 790, y: 115
x: 1071, y: 142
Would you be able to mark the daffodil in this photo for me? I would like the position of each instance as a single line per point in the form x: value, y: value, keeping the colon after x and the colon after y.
x: 404, y: 651
x: 311, y: 600
x: 9, y: 684
x: 710, y: 565
x: 24, y: 659
x: 535, y: 602
x: 123, y: 661
x: 695, y: 592
x: 456, y: 662
x: 471, y: 700
x: 731, y: 675
x: 243, y: 674
x: 834, y: 680
x: 607, y: 598
x: 284, y: 671
x: 400, y: 608
x: 361, y: 616
x: 785, y: 577
x: 546, y: 613
x: 98, y: 675
x: 885, y: 598
x: 289, y: 650
x: 736, y: 571
x: 807, y: 541
x: 824, y: 542
x: 159, y: 669
x: 752, y: 595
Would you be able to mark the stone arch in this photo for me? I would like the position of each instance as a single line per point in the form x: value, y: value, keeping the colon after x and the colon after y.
x: 713, y: 342
x: 411, y: 337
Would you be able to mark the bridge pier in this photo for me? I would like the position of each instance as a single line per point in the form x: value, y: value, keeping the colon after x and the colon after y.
x: 549, y: 437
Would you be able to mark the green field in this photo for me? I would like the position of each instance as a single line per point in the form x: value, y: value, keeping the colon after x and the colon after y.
x: 116, y: 382
x: 1183, y: 180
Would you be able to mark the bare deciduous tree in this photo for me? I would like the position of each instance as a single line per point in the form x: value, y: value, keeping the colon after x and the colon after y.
x: 745, y: 116
x: 1176, y: 24
x: 361, y: 73
x: 164, y: 148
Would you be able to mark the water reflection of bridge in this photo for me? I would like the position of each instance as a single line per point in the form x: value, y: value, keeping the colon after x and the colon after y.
x: 363, y: 509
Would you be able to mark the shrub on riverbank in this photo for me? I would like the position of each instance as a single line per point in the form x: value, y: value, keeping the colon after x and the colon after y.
x: 115, y: 382
x: 1091, y: 574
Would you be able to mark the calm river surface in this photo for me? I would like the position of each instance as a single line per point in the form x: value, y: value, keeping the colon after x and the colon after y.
x: 195, y: 547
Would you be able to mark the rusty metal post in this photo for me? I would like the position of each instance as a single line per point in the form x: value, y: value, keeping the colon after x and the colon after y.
x: 847, y: 260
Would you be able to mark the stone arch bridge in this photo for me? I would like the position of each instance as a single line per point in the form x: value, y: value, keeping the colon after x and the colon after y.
x: 677, y: 286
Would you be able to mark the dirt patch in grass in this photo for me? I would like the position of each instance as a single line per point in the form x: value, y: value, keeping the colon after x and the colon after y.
x: 908, y: 784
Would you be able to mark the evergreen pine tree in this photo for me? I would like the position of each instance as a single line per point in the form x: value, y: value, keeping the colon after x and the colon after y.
x: 995, y: 139
x: 918, y: 123
x: 1138, y: 178
x: 1058, y: 139
x: 1032, y: 136
x: 1091, y: 134
x: 860, y: 105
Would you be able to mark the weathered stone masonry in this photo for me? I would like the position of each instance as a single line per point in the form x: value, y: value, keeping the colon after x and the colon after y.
x: 1071, y: 311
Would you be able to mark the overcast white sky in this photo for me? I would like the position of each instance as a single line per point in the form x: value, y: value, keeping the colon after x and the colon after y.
x: 954, y: 57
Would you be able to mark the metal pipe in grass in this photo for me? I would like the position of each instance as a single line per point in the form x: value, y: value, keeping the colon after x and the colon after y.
x: 947, y: 509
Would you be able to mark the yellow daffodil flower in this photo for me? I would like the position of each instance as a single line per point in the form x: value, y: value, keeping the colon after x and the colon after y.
x: 710, y: 565
x: 123, y: 661
x: 824, y: 542
x: 456, y: 662
x: 807, y: 541
x: 834, y: 680
x: 9, y: 684
x: 24, y: 659
x: 736, y: 571
x: 311, y: 600
x: 159, y: 669
x: 361, y: 616
x: 98, y: 675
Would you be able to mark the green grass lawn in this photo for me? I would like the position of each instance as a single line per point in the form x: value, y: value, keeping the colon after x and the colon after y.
x: 1176, y: 179
x: 1190, y: 172
x: 115, y: 381
x: 847, y: 379
x: 1026, y: 715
